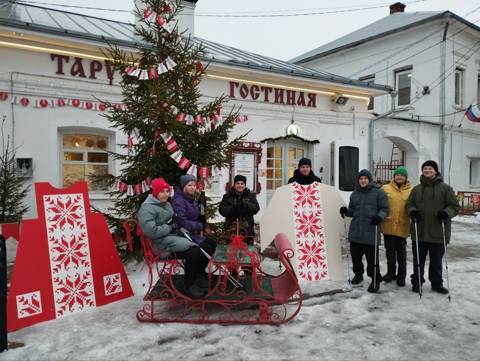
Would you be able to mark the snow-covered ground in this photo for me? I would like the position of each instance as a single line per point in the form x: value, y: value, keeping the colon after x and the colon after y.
x: 393, y: 325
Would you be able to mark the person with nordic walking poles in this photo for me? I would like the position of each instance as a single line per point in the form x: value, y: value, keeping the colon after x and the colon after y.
x: 368, y: 207
x: 431, y: 206
x: 396, y: 227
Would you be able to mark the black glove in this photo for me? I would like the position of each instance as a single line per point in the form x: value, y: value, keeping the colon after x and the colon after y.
x: 415, y: 215
x: 376, y: 220
x: 343, y: 211
x: 442, y: 216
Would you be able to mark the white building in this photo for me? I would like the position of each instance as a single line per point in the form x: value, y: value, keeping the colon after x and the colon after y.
x: 432, y: 60
x: 53, y: 77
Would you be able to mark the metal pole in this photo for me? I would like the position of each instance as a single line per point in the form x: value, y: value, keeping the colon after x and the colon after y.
x: 418, y: 261
x: 443, y: 59
x: 3, y: 295
x: 446, y: 259
x: 375, y: 259
x: 348, y: 250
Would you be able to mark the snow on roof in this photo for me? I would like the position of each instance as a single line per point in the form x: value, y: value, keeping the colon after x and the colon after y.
x: 387, y: 25
x: 73, y: 25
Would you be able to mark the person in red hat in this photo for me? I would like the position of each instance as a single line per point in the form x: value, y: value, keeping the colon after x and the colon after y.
x: 156, y: 219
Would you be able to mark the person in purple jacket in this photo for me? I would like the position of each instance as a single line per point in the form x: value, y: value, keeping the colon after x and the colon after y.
x: 187, y: 213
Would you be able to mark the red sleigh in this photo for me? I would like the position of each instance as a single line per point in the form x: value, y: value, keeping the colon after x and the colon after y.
x: 240, y: 292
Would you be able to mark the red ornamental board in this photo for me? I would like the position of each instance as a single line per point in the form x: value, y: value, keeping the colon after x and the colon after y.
x: 8, y: 230
x: 66, y: 260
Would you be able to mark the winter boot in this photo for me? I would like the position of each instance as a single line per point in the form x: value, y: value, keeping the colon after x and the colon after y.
x: 357, y: 279
x: 415, y: 288
x: 389, y: 278
x: 401, y: 281
x: 374, y: 288
x: 202, y: 281
x: 195, y: 291
x: 440, y: 289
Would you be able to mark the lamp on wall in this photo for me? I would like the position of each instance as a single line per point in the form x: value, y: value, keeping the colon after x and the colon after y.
x: 340, y: 99
x: 292, y: 128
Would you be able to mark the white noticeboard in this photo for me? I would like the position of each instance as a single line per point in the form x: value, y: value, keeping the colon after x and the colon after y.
x: 244, y: 164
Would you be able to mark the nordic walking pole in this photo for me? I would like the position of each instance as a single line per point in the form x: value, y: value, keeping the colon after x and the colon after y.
x: 446, y: 260
x: 348, y: 251
x: 418, y: 260
x: 375, y: 259
x: 233, y: 281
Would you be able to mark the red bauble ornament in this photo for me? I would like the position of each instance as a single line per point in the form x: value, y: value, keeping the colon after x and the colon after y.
x: 198, y: 67
x: 89, y: 105
x: 43, y: 103
x: 3, y: 96
x: 75, y: 103
x: 25, y: 102
x: 61, y: 102
x: 102, y: 107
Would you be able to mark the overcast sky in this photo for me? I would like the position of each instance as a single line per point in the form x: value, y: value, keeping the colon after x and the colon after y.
x: 281, y: 37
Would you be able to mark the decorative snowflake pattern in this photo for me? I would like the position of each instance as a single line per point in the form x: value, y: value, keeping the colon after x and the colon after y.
x: 69, y: 250
x: 309, y: 236
x: 112, y: 284
x: 29, y: 304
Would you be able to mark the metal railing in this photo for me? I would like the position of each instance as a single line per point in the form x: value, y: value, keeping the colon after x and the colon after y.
x: 383, y: 170
x: 469, y: 202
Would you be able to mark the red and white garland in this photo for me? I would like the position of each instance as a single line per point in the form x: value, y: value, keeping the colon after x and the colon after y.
x: 134, y: 189
x: 45, y: 103
x: 153, y: 72
x: 184, y: 163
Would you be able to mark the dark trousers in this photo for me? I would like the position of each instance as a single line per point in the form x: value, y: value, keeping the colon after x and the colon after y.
x: 396, y: 250
x: 357, y: 250
x: 436, y: 252
x: 195, y: 260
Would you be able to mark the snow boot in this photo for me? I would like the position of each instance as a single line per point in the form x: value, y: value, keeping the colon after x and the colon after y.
x: 389, y: 278
x: 415, y: 288
x: 440, y: 289
x: 357, y: 279
x: 401, y: 282
x: 374, y: 288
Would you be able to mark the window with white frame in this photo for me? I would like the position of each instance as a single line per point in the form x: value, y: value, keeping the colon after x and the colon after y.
x: 85, y: 158
x: 369, y: 79
x: 403, y: 86
x: 459, y: 81
x: 474, y: 176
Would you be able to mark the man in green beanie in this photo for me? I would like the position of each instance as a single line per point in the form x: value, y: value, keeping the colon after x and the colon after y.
x: 396, y: 227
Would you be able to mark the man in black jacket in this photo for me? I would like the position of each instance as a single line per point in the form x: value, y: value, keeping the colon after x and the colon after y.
x: 240, y: 204
x: 304, y: 174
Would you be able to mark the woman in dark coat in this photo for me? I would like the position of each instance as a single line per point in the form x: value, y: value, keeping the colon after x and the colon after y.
x: 187, y: 213
x: 368, y: 207
x: 240, y: 204
x: 304, y: 174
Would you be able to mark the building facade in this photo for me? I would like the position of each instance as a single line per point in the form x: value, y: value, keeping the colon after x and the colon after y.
x: 431, y: 61
x: 54, y: 79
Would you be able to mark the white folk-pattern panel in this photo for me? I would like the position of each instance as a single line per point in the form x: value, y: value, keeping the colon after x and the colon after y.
x: 309, y: 235
x: 112, y: 284
x: 29, y: 304
x: 69, y: 250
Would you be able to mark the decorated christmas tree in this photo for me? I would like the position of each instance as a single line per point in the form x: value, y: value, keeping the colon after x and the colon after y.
x: 170, y: 132
x: 12, y: 188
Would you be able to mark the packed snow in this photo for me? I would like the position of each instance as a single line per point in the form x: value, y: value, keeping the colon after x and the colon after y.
x: 392, y: 325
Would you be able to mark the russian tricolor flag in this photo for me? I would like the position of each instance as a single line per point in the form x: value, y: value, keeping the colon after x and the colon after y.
x: 473, y: 113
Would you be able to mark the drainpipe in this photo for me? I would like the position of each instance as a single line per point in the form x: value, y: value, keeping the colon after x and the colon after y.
x: 371, y: 130
x: 443, y: 59
x: 12, y: 106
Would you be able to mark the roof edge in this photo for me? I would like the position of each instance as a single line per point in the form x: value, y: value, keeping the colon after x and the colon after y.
x: 298, y: 60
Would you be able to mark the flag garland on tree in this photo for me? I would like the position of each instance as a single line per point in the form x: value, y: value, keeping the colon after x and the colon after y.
x: 169, y: 132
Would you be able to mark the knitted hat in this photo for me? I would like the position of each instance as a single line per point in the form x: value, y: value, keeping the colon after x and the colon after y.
x: 304, y: 161
x: 364, y: 173
x: 431, y: 163
x: 185, y: 179
x: 401, y: 171
x: 158, y: 185
x: 240, y: 178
